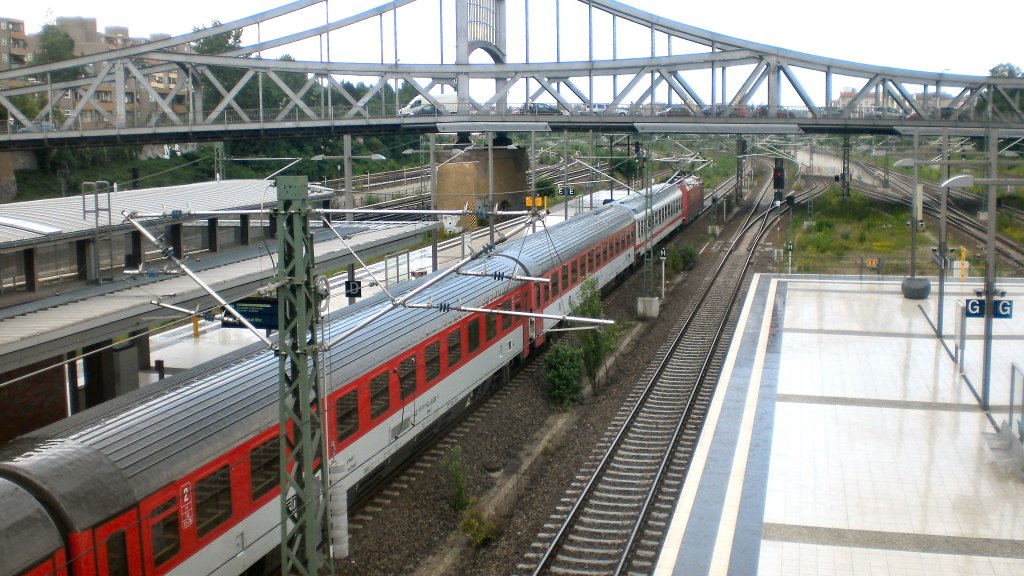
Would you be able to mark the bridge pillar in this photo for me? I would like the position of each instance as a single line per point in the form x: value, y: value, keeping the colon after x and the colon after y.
x: 465, y: 180
x: 479, y: 24
x: 211, y: 234
x: 243, y: 229
x: 120, y: 111
x: 134, y: 256
x: 29, y: 260
x: 175, y: 240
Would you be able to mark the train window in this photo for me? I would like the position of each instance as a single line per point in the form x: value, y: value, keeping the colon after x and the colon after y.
x: 491, y: 326
x: 264, y: 467
x: 454, y: 347
x: 506, y: 320
x: 347, y: 415
x: 537, y: 293
x: 213, y: 501
x: 432, y: 366
x: 565, y: 277
x: 473, y: 334
x: 554, y: 285
x: 164, y: 532
x: 407, y: 377
x: 117, y: 554
x: 547, y: 292
x: 380, y: 401
x: 604, y: 252
x: 574, y: 272
x: 590, y: 261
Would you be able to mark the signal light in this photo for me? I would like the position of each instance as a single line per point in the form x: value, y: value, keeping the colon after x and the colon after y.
x: 779, y: 176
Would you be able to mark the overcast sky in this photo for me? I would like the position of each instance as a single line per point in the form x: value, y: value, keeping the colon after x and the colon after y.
x: 936, y: 36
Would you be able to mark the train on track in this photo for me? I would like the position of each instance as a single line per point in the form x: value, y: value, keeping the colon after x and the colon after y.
x: 182, y: 477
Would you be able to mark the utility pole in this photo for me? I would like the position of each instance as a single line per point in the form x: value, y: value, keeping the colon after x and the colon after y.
x: 305, y: 531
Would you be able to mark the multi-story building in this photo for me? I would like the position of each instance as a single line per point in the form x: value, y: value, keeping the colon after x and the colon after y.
x: 14, y: 52
x: 140, y: 104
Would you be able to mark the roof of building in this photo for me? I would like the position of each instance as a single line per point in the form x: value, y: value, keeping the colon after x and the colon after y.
x: 43, y: 221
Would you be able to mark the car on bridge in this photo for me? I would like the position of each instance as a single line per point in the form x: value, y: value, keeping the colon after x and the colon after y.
x: 538, y: 108
x: 41, y: 127
x: 605, y: 109
x: 762, y: 112
x: 430, y: 110
x: 675, y: 110
x: 725, y: 110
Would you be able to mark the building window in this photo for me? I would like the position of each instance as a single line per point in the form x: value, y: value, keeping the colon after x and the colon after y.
x: 264, y: 467
x: 164, y: 532
x: 432, y: 366
x: 474, y: 335
x: 454, y: 347
x: 117, y: 554
x: 380, y: 401
x: 407, y: 377
x: 213, y: 501
x: 491, y: 326
x: 347, y: 415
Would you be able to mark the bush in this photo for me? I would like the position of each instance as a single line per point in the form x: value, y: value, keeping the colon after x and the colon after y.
x: 478, y: 529
x: 456, y: 473
x: 563, y: 366
x: 595, y: 344
x: 683, y: 258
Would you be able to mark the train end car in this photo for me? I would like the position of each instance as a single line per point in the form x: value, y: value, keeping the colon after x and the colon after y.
x: 692, y: 188
x: 30, y: 543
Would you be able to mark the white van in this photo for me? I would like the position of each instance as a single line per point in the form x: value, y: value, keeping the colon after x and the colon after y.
x: 448, y: 101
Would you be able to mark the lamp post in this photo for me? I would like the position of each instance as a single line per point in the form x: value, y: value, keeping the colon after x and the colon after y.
x: 965, y: 181
x: 914, y: 288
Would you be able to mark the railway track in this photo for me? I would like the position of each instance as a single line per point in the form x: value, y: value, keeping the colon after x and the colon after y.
x: 614, y: 516
x: 957, y: 218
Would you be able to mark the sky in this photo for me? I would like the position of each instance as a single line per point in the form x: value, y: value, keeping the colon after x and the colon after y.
x: 936, y: 36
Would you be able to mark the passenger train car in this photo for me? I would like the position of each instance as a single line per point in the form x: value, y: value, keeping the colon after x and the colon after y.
x: 182, y: 477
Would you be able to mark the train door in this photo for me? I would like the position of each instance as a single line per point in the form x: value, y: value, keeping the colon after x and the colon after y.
x: 117, y: 546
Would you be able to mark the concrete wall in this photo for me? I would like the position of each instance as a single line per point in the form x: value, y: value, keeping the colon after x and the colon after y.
x: 464, y: 180
x: 9, y: 162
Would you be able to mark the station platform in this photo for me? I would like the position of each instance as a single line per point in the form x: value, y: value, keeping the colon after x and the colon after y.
x: 844, y: 439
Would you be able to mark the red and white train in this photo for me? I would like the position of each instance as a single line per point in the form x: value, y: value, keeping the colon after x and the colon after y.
x: 182, y: 477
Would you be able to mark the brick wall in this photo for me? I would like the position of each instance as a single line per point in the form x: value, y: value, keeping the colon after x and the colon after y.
x: 31, y: 403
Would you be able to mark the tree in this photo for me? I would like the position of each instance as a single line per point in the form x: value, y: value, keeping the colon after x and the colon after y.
x: 563, y: 367
x: 56, y: 45
x: 1000, y: 103
x: 597, y: 343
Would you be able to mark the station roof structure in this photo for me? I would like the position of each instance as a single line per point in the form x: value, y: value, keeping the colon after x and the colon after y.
x: 58, y: 220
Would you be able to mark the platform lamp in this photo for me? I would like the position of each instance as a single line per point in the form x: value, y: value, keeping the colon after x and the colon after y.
x: 914, y: 288
x: 966, y: 181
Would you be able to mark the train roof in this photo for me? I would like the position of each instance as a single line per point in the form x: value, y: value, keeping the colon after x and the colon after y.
x: 25, y: 521
x: 637, y: 202
x: 134, y: 445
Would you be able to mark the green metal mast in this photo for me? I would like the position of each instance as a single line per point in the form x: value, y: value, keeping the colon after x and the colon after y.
x: 642, y: 157
x: 304, y: 526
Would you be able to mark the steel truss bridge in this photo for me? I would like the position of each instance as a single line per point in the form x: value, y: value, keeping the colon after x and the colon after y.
x: 161, y: 91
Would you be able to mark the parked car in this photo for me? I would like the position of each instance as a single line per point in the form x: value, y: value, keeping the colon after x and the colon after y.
x: 604, y: 109
x: 41, y: 127
x: 676, y: 110
x: 430, y: 110
x: 762, y: 112
x: 725, y: 110
x: 538, y: 108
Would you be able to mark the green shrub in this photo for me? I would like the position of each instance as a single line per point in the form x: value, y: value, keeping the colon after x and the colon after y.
x: 563, y: 365
x: 455, y: 471
x: 478, y: 529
